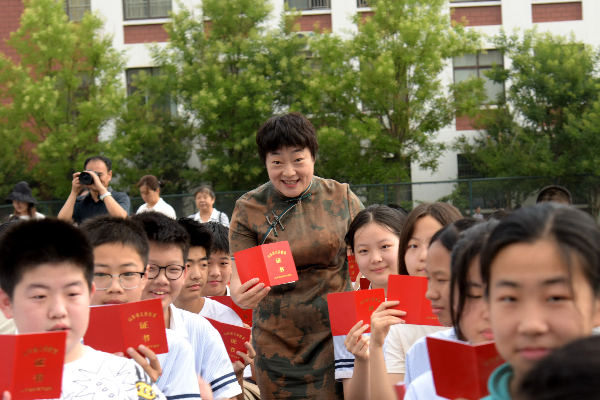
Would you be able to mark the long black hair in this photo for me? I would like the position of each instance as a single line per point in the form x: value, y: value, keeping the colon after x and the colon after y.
x: 575, y: 232
x: 385, y: 216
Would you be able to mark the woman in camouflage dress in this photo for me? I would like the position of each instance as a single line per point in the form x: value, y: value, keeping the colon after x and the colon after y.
x: 291, y: 330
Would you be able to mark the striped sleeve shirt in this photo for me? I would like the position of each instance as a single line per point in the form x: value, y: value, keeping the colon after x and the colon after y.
x: 178, y: 379
x: 344, y: 360
x: 211, y: 359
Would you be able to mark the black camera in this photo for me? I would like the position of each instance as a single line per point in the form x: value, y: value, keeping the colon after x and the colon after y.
x: 86, y: 178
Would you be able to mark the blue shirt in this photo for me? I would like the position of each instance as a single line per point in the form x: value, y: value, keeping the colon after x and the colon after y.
x: 86, y: 207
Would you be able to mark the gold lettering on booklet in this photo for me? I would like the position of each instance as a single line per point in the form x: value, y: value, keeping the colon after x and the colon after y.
x: 144, y: 325
x: 40, y: 349
x: 146, y: 338
x: 369, y: 299
x: 232, y: 350
x: 234, y: 334
x: 283, y: 276
x: 39, y: 362
x: 278, y: 261
x: 271, y: 254
x: 38, y: 377
x: 37, y: 389
x: 493, y: 360
x: 141, y: 314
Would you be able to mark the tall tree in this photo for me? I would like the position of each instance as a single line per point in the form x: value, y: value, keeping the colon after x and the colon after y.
x: 61, y: 93
x: 378, y: 97
x: 230, y: 75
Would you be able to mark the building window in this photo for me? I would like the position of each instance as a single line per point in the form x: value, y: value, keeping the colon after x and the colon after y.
x: 473, y: 65
x: 471, y: 1
x: 466, y: 169
x: 164, y: 103
x: 76, y: 8
x: 362, y: 3
x: 308, y: 4
x: 145, y: 9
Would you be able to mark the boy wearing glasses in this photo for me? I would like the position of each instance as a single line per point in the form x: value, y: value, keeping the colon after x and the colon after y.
x: 169, y: 247
x: 120, y: 259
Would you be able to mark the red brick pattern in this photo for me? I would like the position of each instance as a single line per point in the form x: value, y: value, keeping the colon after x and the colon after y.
x: 478, y: 16
x: 557, y: 12
x: 10, y: 15
x: 464, y: 124
x: 307, y: 22
x: 145, y: 33
x: 365, y: 15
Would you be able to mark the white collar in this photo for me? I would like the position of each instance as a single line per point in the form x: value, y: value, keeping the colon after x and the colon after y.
x: 176, y: 321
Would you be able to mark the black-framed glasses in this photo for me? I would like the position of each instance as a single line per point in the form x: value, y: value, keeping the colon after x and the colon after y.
x: 172, y: 272
x: 127, y: 280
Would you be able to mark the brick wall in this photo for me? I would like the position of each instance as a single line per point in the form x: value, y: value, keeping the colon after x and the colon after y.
x: 307, y: 22
x: 478, y: 16
x: 464, y: 124
x: 556, y: 12
x: 10, y: 14
x: 145, y: 33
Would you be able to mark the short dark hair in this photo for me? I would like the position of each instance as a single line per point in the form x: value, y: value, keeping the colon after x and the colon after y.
x: 151, y: 181
x: 448, y: 235
x: 106, y: 229
x: 499, y: 214
x: 568, y: 373
x: 554, y: 193
x: 399, y: 208
x: 444, y: 213
x: 575, y: 232
x: 465, y: 250
x: 105, y: 160
x: 289, y: 130
x: 27, y: 245
x: 164, y: 231
x: 205, y: 189
x: 200, y: 234
x: 382, y: 215
x: 220, y: 237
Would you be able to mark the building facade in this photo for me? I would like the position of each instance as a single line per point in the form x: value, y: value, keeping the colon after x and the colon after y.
x: 136, y: 24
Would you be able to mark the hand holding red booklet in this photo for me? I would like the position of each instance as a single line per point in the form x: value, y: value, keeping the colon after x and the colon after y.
x: 272, y: 263
x: 347, y: 308
x: 353, y: 267
x: 115, y: 328
x: 410, y: 292
x: 234, y: 338
x: 461, y: 370
x: 32, y: 365
x: 245, y: 315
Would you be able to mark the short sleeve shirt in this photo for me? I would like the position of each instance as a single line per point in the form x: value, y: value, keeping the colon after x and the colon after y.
x: 86, y: 207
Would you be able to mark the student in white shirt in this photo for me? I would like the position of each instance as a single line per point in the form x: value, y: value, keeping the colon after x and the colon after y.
x: 205, y: 199
x: 169, y: 247
x: 46, y: 271
x: 418, y: 229
x: 470, y: 316
x: 150, y: 188
x: 120, y: 257
x: 438, y: 292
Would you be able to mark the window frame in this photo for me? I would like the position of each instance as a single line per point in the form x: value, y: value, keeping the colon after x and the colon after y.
x: 68, y: 7
x: 478, y: 68
x: 148, y: 9
x: 310, y: 8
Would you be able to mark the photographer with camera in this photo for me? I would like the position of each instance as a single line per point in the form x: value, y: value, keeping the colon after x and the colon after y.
x: 100, y: 200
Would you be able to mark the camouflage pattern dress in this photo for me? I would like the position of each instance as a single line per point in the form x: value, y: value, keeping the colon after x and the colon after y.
x: 291, y: 331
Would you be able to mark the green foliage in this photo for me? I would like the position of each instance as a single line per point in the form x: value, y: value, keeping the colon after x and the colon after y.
x: 230, y: 75
x: 377, y: 97
x: 62, y: 92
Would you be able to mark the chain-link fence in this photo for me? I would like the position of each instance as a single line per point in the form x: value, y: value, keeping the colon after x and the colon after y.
x: 489, y: 194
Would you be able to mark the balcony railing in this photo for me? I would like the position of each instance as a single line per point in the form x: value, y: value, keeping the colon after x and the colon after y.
x: 309, y: 4
x: 362, y: 3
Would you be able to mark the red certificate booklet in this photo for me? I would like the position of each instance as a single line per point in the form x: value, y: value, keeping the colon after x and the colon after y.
x: 32, y: 365
x: 400, y: 389
x: 365, y: 284
x: 461, y: 370
x: 410, y: 292
x: 234, y: 338
x: 117, y: 327
x: 352, y: 267
x: 272, y: 263
x: 347, y: 308
x: 245, y: 315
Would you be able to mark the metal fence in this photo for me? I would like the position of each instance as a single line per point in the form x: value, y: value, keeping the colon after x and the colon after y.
x: 466, y: 194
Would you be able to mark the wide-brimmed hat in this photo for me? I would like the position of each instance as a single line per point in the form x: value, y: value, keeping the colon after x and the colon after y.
x: 21, y: 192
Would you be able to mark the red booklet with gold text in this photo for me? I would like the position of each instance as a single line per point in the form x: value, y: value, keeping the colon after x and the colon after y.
x: 115, y: 328
x: 410, y: 292
x: 245, y: 315
x: 32, y: 365
x: 347, y: 308
x: 234, y: 338
x: 461, y: 370
x: 353, y: 267
x: 272, y: 263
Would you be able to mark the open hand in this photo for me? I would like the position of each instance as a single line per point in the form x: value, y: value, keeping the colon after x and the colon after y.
x: 356, y: 343
x: 382, y: 319
x: 147, y: 360
x: 247, y: 296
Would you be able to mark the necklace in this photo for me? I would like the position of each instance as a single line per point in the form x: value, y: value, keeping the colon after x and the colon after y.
x: 277, y: 218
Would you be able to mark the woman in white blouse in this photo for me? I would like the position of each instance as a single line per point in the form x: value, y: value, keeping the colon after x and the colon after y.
x: 150, y: 190
x: 205, y: 199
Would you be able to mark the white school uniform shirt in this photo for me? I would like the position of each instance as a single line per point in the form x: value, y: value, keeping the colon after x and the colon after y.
x: 216, y: 216
x: 161, y: 206
x: 344, y: 360
x: 417, y: 357
x: 211, y: 359
x: 400, y: 340
x: 103, y: 376
x: 422, y: 388
x: 178, y: 379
